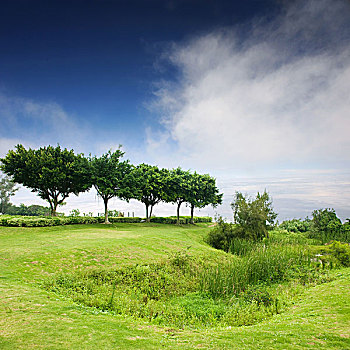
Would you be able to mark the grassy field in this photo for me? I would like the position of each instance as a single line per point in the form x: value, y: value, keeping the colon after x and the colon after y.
x: 32, y: 316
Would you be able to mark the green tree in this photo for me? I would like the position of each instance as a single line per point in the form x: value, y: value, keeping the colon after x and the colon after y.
x: 177, y: 184
x: 202, y: 192
x: 7, y: 189
x: 325, y: 221
x: 150, y: 182
x: 253, y: 216
x: 52, y: 172
x: 31, y: 210
x: 112, y: 177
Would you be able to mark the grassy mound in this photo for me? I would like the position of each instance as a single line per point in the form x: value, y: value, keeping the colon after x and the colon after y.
x: 149, y: 286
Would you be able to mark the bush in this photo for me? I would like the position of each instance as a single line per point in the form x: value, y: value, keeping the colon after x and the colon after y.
x: 31, y: 210
x: 221, y: 236
x: 121, y: 219
x: 183, y: 219
x: 337, y: 250
x: 30, y: 221
x: 296, y: 225
x: 254, y: 217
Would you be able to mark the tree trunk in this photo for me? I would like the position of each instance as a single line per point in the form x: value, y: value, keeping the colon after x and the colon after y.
x: 178, y: 213
x: 150, y: 213
x: 192, y: 210
x: 105, y: 200
x: 147, y: 218
x: 53, y: 206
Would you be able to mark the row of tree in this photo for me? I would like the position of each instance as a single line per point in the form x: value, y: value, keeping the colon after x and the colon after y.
x: 55, y: 173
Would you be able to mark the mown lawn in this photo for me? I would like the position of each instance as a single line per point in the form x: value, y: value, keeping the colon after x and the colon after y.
x: 32, y: 317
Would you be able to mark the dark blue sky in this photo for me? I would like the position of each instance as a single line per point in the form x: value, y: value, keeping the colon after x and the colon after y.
x: 97, y: 59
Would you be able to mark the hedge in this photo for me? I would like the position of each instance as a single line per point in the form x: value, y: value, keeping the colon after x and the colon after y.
x: 41, y: 221
x: 183, y: 219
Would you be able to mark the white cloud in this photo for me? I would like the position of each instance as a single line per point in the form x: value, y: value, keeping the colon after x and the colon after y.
x: 280, y: 96
x: 7, y: 144
x: 36, y: 123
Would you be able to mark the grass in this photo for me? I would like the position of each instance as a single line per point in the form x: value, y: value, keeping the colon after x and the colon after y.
x: 34, y: 317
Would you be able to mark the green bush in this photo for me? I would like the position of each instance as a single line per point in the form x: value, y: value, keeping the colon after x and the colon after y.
x: 221, y: 236
x: 120, y: 219
x: 296, y: 225
x: 168, y: 220
x: 183, y: 219
x: 336, y: 250
x: 37, y: 221
x: 326, y: 227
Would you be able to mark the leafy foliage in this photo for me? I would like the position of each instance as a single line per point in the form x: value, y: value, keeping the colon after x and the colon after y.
x: 182, y: 219
x: 335, y: 253
x: 326, y: 226
x: 111, y: 177
x: 296, y: 225
x: 203, y: 191
x: 52, y: 172
x: 221, y: 236
x: 253, y: 216
x: 150, y: 186
x: 7, y: 189
x: 30, y: 221
x: 177, y: 188
x: 30, y: 210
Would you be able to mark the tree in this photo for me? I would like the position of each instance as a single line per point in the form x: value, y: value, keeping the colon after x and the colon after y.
x: 326, y: 221
x: 31, y: 210
x: 7, y: 189
x: 111, y: 177
x: 177, y: 188
x: 203, y: 191
x: 253, y: 216
x: 150, y: 183
x: 52, y: 172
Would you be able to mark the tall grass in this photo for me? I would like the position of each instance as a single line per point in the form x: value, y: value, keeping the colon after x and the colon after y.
x: 265, y: 264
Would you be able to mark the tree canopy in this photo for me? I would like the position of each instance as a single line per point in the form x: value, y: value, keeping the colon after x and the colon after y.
x: 150, y: 182
x: 325, y: 221
x: 253, y: 216
x: 55, y: 173
x: 202, y: 192
x: 52, y: 172
x: 177, y: 188
x: 112, y: 177
x: 7, y: 189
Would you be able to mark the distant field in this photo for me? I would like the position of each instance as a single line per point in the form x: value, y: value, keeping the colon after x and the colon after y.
x: 35, y: 315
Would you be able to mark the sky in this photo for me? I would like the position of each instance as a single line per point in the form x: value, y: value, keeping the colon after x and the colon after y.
x: 256, y: 93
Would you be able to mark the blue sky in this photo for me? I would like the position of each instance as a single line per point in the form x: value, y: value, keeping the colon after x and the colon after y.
x: 255, y: 93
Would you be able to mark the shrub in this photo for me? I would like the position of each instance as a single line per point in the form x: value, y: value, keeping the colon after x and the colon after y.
x: 221, y: 235
x: 183, y: 219
x: 29, y: 221
x: 254, y: 217
x: 326, y: 226
x: 296, y: 225
x: 339, y: 251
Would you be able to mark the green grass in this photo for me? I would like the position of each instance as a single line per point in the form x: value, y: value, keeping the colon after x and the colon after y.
x: 34, y: 317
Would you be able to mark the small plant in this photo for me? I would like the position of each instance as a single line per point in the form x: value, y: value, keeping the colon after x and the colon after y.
x: 74, y: 212
x: 258, y: 294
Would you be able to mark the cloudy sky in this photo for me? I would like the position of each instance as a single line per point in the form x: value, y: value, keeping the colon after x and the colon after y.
x: 255, y: 92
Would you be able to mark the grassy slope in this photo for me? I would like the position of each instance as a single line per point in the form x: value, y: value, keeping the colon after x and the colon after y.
x: 33, y: 318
